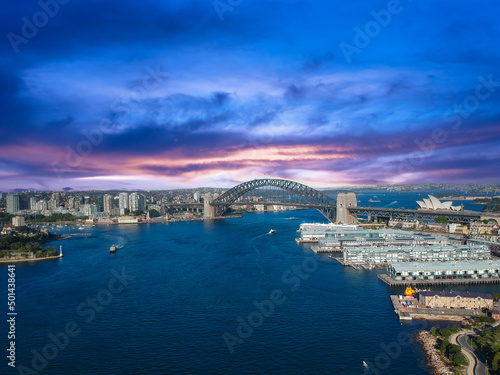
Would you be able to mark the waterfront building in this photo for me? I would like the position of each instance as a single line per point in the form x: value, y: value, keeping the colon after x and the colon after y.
x: 313, y: 232
x: 327, y: 227
x: 432, y: 203
x: 88, y: 209
x: 99, y: 203
x: 336, y: 240
x: 137, y: 202
x: 479, y: 269
x: 383, y: 255
x: 455, y: 300
x: 123, y: 202
x: 18, y: 221
x: 13, y: 203
x: 108, y: 203
x: 128, y: 220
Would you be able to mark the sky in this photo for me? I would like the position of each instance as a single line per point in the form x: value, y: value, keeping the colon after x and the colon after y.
x: 102, y: 94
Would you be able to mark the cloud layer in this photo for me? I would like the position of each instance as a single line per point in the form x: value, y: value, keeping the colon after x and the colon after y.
x: 166, y: 94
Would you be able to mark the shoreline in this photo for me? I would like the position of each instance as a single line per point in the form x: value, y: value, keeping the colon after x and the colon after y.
x: 434, y: 357
x: 29, y: 260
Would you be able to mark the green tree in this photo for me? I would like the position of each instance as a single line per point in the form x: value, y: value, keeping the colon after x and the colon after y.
x: 496, y: 360
x: 496, y: 296
x: 154, y: 213
x: 441, y: 220
x: 444, y: 346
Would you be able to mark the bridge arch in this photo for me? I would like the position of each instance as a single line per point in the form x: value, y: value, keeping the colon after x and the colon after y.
x: 311, y: 197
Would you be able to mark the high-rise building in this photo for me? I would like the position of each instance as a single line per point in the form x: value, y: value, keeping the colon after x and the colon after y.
x: 41, y: 205
x: 123, y: 201
x: 137, y: 202
x: 55, y: 197
x: 99, y: 203
x: 13, y: 203
x: 33, y: 203
x: 108, y: 203
x: 196, y: 196
x: 52, y: 204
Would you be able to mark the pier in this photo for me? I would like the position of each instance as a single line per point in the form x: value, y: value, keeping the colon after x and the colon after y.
x: 443, y: 282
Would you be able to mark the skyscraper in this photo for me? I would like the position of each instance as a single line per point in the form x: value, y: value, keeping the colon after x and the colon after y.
x: 108, y: 203
x: 13, y: 203
x: 137, y: 202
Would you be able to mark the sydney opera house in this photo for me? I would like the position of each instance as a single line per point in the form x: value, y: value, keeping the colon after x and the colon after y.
x: 432, y: 203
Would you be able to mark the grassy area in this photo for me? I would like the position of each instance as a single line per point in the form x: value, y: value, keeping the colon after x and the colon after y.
x: 25, y: 244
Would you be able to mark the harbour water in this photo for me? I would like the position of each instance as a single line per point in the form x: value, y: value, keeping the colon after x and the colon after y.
x: 187, y: 288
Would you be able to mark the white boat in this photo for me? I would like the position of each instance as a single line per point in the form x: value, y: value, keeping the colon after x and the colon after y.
x: 272, y: 231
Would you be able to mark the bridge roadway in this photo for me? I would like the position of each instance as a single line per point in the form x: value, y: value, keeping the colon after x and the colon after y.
x: 402, y: 213
x: 395, y: 213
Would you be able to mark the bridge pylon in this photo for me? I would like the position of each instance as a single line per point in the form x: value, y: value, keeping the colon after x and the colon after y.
x: 343, y: 202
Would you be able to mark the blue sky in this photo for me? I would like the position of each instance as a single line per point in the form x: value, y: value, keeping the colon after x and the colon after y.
x: 154, y: 94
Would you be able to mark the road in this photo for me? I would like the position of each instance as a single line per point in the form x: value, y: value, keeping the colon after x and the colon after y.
x: 479, y: 360
x: 471, y: 359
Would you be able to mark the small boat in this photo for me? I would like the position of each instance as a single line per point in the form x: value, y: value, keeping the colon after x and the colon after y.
x: 292, y: 218
x: 373, y: 200
x: 272, y: 231
x: 112, y: 249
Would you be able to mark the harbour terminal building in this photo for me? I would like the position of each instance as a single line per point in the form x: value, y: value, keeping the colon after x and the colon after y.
x: 473, y: 270
x: 340, y: 240
x: 388, y: 254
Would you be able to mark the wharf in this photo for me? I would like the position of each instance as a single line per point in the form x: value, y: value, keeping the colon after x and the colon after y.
x: 415, y: 310
x: 300, y: 240
x: 394, y: 283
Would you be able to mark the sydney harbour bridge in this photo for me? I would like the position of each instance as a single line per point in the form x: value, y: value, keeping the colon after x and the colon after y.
x: 343, y: 209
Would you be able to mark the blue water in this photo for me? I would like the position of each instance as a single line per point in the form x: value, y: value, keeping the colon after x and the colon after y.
x: 191, y: 283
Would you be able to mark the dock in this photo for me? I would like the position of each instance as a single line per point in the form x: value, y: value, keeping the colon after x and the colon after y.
x: 415, y: 310
x: 300, y: 240
x: 443, y: 282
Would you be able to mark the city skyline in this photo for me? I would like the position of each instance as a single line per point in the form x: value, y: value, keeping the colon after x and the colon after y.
x: 190, y: 94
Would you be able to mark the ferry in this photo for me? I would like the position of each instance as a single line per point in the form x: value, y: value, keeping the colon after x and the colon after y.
x: 272, y: 231
x: 112, y: 249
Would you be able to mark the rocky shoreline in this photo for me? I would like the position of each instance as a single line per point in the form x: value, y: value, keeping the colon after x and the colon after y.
x: 433, y: 355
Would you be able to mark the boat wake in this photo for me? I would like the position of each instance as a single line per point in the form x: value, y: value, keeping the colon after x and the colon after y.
x: 390, y: 204
x: 120, y: 242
